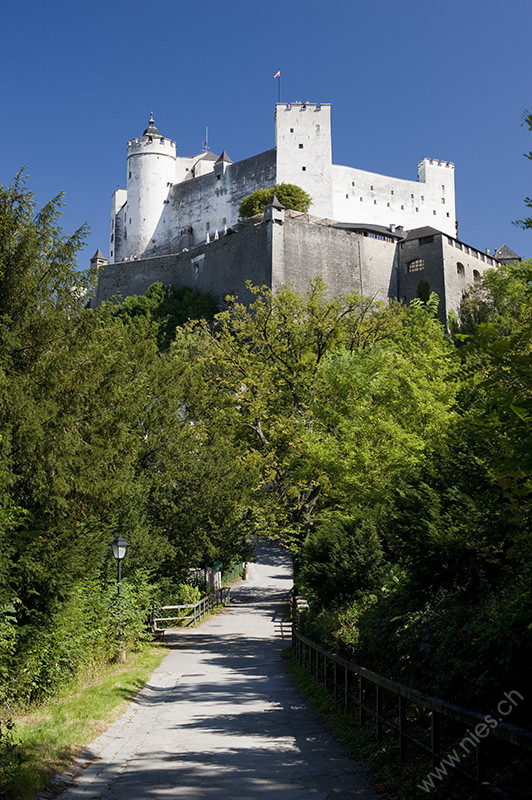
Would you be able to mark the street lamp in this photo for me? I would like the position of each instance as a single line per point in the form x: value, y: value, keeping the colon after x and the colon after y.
x: 119, y: 550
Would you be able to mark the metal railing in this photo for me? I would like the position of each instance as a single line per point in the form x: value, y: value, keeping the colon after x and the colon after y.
x: 350, y: 684
x: 194, y: 612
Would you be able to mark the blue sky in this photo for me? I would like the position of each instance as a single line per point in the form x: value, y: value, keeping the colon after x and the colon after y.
x: 442, y: 78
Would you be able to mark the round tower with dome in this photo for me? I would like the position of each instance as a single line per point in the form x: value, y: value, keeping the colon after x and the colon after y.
x: 151, y: 168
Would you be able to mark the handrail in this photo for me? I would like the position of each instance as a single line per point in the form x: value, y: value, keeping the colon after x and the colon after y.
x: 199, y: 609
x: 317, y: 659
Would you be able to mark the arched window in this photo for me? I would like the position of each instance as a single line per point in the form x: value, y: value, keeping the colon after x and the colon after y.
x: 460, y: 269
x: 476, y: 275
x: 416, y: 265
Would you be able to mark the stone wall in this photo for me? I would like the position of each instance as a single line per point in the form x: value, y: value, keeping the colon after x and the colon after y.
x: 347, y: 262
x: 219, y: 268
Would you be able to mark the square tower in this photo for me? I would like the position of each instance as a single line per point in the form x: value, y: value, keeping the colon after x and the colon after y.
x: 304, y: 152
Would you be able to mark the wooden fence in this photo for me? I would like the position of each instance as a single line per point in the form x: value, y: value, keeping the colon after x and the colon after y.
x: 192, y: 613
x: 363, y: 693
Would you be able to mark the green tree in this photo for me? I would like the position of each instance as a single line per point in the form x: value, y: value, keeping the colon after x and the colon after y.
x: 288, y: 194
x: 75, y: 386
x: 527, y: 222
x: 169, y: 307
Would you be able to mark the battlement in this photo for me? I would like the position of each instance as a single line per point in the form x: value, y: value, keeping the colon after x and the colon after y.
x: 436, y: 162
x: 299, y: 106
x: 144, y: 141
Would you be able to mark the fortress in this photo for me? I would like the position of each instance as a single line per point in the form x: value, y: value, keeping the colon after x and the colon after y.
x: 178, y: 221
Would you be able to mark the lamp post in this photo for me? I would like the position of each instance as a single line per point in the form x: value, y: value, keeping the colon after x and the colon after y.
x: 119, y: 550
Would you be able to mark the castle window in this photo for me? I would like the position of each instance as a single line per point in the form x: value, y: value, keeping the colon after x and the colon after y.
x: 460, y: 269
x: 417, y: 209
x: 434, y: 212
x: 112, y: 237
x: 422, y: 198
x: 391, y: 192
x: 448, y: 214
x: 476, y: 275
x: 207, y: 226
x: 388, y: 205
x: 130, y: 174
x: 371, y: 187
x: 301, y: 147
x: 412, y: 196
x: 416, y: 265
x: 352, y: 183
x: 449, y: 240
x: 402, y: 208
x: 304, y: 169
x: 317, y: 128
x: 374, y: 202
x: 291, y: 130
x: 361, y: 199
x: 347, y: 197
x: 443, y: 200
x: 443, y: 188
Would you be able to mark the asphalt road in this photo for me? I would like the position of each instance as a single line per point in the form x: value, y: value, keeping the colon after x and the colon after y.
x: 221, y: 717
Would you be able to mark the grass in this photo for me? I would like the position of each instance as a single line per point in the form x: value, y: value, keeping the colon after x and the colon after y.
x: 48, y: 738
x: 395, y: 780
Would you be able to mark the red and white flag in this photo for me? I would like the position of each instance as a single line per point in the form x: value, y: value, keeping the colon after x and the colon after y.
x: 277, y: 74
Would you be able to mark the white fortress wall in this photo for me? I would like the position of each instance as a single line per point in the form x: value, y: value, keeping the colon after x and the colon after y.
x: 118, y: 217
x: 304, y: 151
x: 210, y: 203
x: 361, y: 196
x: 184, y: 168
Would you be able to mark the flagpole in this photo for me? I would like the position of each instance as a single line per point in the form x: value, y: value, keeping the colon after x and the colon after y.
x: 278, y: 75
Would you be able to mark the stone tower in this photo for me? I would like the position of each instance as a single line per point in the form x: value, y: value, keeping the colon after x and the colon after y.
x: 304, y: 151
x: 151, y: 169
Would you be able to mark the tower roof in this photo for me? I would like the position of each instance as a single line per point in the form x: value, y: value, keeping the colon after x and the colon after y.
x: 504, y: 252
x: 276, y: 203
x: 151, y: 130
x: 225, y: 157
x: 98, y: 255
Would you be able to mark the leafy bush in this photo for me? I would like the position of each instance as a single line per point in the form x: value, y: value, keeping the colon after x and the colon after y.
x: 342, y: 559
x: 85, y: 630
x: 288, y: 194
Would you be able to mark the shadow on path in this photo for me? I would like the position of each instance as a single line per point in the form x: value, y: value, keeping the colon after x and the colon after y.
x: 221, y: 717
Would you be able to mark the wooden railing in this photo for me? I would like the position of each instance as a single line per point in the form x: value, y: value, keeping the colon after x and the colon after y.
x: 363, y: 693
x: 192, y: 613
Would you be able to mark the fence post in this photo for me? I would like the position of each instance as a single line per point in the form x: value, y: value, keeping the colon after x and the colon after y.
x: 402, y: 728
x: 435, y: 737
x: 346, y: 689
x: 378, y: 710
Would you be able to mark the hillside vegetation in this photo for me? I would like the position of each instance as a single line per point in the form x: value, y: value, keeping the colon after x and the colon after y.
x: 392, y: 459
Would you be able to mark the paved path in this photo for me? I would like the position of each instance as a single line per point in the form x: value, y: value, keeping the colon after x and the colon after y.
x: 221, y: 718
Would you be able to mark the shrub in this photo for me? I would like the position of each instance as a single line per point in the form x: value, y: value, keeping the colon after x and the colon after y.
x: 288, y: 194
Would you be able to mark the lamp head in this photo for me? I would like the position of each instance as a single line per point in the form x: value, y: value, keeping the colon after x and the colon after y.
x: 119, y: 548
